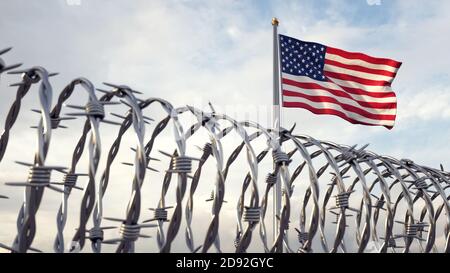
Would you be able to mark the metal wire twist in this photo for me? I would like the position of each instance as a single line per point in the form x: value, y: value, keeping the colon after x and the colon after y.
x: 26, y: 221
x: 385, y: 185
x: 94, y: 112
x: 29, y: 78
x: 189, y: 210
x: 140, y: 162
x: 71, y: 176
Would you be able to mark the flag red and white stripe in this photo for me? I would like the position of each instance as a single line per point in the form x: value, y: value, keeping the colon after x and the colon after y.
x: 354, y: 86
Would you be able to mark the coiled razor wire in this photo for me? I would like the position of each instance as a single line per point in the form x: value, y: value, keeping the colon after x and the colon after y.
x: 95, y: 113
x: 213, y: 148
x: 71, y: 176
x: 89, y: 197
x: 130, y: 229
x: 412, y: 199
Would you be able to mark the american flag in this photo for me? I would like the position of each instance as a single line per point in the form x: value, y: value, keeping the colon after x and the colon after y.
x: 327, y: 80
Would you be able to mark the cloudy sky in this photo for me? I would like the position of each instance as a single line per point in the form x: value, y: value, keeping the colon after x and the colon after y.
x: 192, y: 52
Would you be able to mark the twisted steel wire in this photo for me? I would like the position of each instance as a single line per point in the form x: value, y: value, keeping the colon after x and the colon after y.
x: 241, y: 206
x: 71, y: 176
x: 350, y: 157
x: 212, y: 232
x: 281, y: 160
x: 113, y: 153
x: 189, y: 210
x: 213, y: 148
x: 389, y: 218
x: 140, y: 162
x: 343, y: 197
x: 136, y: 119
x: 89, y: 198
x: 230, y: 161
x: 320, y: 213
x: 216, y: 150
x: 24, y: 86
x: 383, y: 201
x: 307, y: 235
x: 440, y: 178
x: 429, y: 207
x: 180, y: 164
x: 160, y: 212
x: 389, y: 222
x: 322, y: 217
x: 94, y: 113
x: 409, y: 217
x: 301, y: 231
x: 217, y: 196
x: 133, y: 213
x: 380, y: 203
x: 426, y: 198
x: 361, y: 243
x: 407, y: 224
x: 182, y: 171
x: 210, y: 239
x: 206, y: 119
x: 162, y: 204
x: 424, y: 190
x: 290, y: 187
x: 39, y: 173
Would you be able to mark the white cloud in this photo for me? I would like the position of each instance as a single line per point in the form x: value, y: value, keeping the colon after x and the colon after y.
x: 430, y: 104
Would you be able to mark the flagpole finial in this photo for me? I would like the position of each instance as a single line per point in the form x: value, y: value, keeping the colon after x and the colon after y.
x: 275, y: 21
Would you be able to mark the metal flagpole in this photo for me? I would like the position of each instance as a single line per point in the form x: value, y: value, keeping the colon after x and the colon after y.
x: 276, y: 121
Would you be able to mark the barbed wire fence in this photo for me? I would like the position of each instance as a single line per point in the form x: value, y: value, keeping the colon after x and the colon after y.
x: 388, y: 192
